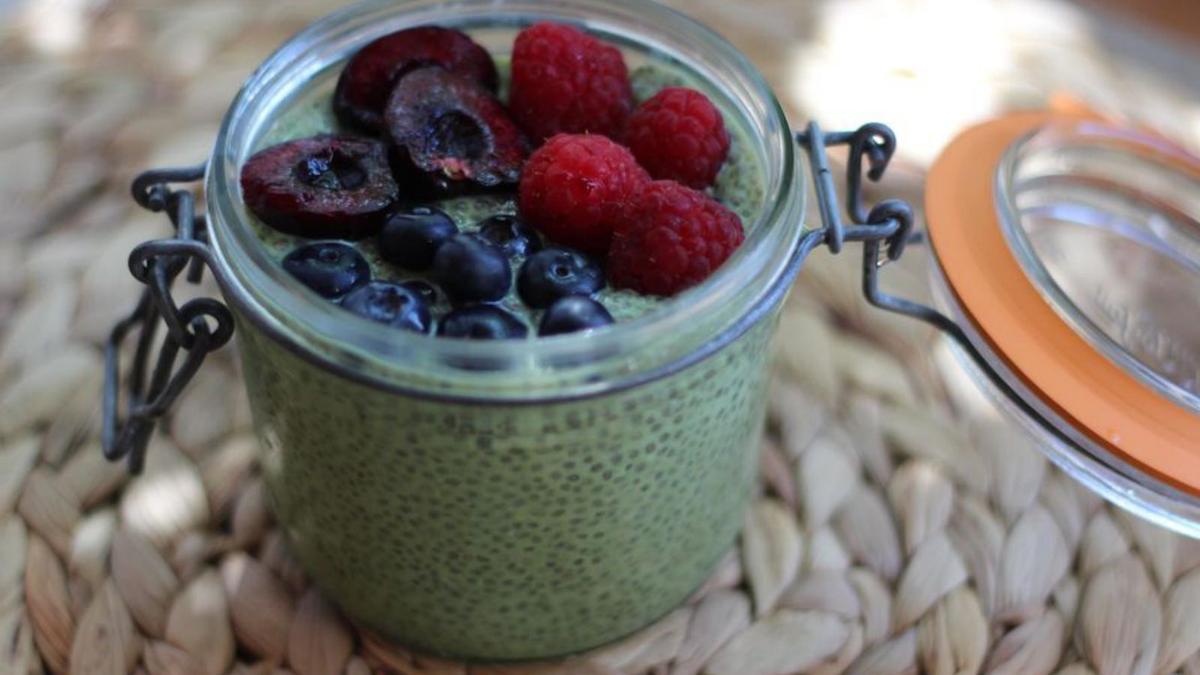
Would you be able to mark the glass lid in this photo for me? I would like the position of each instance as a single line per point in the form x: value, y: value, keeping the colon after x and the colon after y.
x: 1105, y: 223
x: 1070, y: 253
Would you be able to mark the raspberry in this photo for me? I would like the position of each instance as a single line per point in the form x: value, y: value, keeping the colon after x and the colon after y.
x: 672, y: 238
x: 679, y: 135
x: 565, y: 81
x: 575, y: 189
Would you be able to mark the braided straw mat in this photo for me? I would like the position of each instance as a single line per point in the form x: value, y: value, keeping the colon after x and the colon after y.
x: 901, y: 527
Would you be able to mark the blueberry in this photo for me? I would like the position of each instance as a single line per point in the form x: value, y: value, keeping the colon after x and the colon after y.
x: 470, y: 268
x: 573, y: 313
x: 482, y: 322
x: 330, y: 268
x: 390, y: 304
x: 427, y: 291
x: 511, y: 234
x: 555, y: 273
x: 411, y: 237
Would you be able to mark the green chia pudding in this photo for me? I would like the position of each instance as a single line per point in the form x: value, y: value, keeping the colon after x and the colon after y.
x: 738, y: 186
x: 439, y: 510
x: 504, y: 532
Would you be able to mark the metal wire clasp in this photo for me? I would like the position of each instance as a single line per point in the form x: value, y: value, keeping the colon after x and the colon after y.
x: 196, y: 328
x: 889, y: 222
x: 887, y: 228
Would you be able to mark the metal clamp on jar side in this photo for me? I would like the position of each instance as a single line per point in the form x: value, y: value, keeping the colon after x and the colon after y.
x: 157, y: 264
x: 887, y: 227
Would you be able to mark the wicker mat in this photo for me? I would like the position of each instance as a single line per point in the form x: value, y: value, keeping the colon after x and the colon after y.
x: 902, y: 525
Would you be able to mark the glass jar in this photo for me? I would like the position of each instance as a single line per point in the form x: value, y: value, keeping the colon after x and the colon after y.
x: 510, y: 499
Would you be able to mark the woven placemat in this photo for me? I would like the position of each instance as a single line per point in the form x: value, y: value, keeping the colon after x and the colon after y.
x: 902, y: 525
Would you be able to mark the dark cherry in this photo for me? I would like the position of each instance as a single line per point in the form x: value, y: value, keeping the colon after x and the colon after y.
x: 451, y: 136
x: 321, y: 187
x: 372, y: 73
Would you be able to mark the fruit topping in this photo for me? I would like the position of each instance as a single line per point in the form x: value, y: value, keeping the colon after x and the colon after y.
x: 555, y: 273
x: 426, y: 290
x: 566, y: 81
x: 470, y: 268
x: 576, y: 188
x: 511, y: 234
x: 451, y: 135
x: 572, y: 314
x: 372, y: 73
x: 673, y: 238
x: 482, y: 322
x: 412, y: 236
x: 390, y: 304
x: 330, y: 268
x: 679, y: 135
x: 325, y: 186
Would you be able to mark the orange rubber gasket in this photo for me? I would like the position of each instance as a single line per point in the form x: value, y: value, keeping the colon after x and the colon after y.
x: 1122, y: 415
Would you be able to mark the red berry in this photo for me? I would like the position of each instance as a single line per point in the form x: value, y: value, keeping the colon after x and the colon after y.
x: 450, y: 135
x: 672, y: 238
x: 565, y: 81
x: 678, y: 134
x: 575, y: 189
x: 337, y: 187
x: 368, y: 79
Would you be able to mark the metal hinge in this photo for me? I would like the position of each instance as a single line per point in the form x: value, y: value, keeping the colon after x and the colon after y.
x: 196, y: 328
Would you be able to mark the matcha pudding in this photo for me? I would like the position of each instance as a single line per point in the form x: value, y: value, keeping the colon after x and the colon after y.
x: 505, y: 277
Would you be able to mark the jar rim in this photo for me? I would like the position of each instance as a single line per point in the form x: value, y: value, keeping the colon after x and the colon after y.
x: 1132, y: 170
x: 680, y: 331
